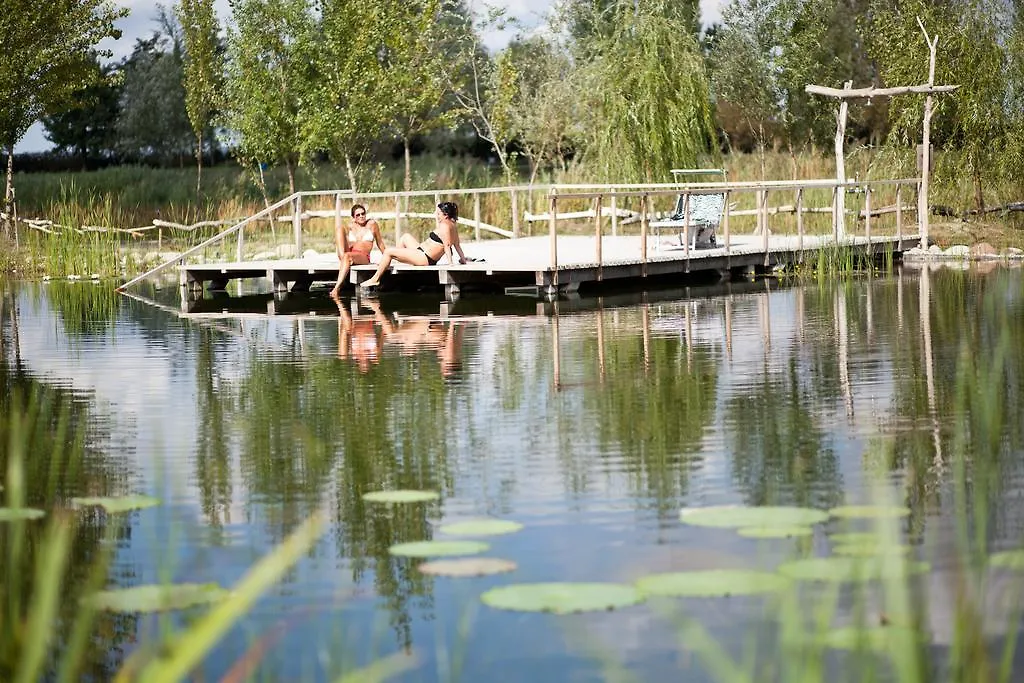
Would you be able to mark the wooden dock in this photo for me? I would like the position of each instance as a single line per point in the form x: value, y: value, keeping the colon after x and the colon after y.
x: 523, y: 265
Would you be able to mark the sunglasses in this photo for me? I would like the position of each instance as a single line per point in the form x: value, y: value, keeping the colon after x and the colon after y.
x: 360, y: 214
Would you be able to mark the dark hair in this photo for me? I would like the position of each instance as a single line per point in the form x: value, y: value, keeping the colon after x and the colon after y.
x: 357, y: 206
x: 450, y: 210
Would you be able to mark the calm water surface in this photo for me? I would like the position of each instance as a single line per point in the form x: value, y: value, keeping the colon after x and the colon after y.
x: 591, y: 421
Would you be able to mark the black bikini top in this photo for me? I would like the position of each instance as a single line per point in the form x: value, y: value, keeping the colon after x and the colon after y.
x: 433, y: 236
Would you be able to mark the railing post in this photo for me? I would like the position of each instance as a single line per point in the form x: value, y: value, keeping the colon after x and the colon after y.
x: 554, y: 237
x: 597, y: 236
x: 240, y: 248
x: 398, y: 217
x: 800, y: 221
x: 725, y: 222
x: 643, y: 236
x: 297, y: 224
x: 515, y: 213
x: 835, y: 214
x: 899, y: 215
x: 764, y: 222
x: 686, y: 228
x: 476, y: 215
x: 615, y: 213
x: 867, y: 215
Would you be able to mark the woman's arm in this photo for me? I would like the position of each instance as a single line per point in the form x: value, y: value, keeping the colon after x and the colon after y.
x: 457, y: 246
x: 378, y: 236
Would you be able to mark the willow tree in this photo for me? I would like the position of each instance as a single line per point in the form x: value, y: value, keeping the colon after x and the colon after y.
x: 46, y: 57
x: 971, y: 52
x: 646, y: 89
x: 269, y: 79
x: 203, y: 70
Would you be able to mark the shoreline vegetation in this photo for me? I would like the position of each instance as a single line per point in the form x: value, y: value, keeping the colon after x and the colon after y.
x: 114, y: 221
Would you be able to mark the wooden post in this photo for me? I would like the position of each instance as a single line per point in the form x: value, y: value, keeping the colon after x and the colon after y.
x: 240, y: 248
x: 554, y: 237
x: 867, y: 215
x: 844, y: 108
x: 597, y: 237
x: 899, y: 215
x: 643, y: 236
x: 615, y: 213
x: 926, y: 166
x: 515, y: 214
x: 835, y: 206
x: 800, y: 221
x: 297, y: 224
x: 725, y: 222
x: 764, y: 222
x: 476, y: 215
x: 686, y: 228
x: 398, y: 217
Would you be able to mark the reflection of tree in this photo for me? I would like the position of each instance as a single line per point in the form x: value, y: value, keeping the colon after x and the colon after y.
x: 779, y: 457
x: 655, y: 418
x: 60, y: 437
x: 213, y: 453
x: 84, y: 308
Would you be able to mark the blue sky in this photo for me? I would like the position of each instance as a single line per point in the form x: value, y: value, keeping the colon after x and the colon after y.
x: 142, y: 21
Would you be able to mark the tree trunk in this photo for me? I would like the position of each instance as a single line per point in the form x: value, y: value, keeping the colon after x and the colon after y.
x: 291, y: 176
x: 9, y: 192
x: 199, y: 165
x: 979, y: 194
x: 351, y: 174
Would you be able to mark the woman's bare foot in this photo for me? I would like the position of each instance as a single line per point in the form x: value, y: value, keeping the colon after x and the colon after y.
x: 369, y: 283
x: 334, y: 292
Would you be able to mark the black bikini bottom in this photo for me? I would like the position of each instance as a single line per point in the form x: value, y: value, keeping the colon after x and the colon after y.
x: 430, y: 261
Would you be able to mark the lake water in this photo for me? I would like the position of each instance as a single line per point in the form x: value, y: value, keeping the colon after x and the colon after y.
x: 591, y: 421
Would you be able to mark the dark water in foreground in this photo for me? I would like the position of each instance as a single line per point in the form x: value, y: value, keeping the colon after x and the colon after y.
x: 592, y: 422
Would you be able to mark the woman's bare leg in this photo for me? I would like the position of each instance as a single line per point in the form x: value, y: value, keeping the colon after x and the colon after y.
x: 347, y: 261
x: 413, y: 257
x: 407, y: 241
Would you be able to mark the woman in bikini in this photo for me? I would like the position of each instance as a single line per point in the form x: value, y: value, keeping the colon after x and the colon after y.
x: 354, y: 244
x: 441, y: 241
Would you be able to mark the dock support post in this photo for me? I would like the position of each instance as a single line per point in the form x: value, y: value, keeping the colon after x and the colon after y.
x: 297, y: 224
x: 899, y: 216
x: 686, y: 229
x: 800, y: 223
x: 597, y: 238
x: 476, y: 215
x: 643, y: 236
x: 554, y: 237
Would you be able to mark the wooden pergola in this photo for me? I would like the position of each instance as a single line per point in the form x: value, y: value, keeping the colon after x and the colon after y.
x: 847, y: 93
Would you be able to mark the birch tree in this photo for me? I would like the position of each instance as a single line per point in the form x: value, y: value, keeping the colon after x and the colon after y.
x: 203, y: 70
x: 269, y: 79
x: 46, y: 57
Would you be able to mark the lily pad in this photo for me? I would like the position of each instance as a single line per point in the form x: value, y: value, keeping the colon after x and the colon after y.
x: 401, y: 496
x: 775, y: 531
x: 437, y: 548
x: 119, y: 504
x: 739, y: 516
x: 17, y: 514
x: 470, y: 566
x: 870, y: 511
x: 481, y: 527
x: 847, y: 569
x: 873, y: 638
x: 715, y: 583
x: 157, y: 598
x: 873, y: 549
x: 562, y: 598
x: 1007, y: 559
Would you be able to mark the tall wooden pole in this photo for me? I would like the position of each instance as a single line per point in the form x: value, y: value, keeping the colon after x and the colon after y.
x: 844, y: 108
x: 923, y: 207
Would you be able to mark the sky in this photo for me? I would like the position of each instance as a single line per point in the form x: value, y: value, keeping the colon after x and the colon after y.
x: 141, y: 22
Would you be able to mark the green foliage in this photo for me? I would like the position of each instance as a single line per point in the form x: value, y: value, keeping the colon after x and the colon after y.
x: 270, y: 78
x: 202, y: 67
x: 647, y: 96
x: 87, y: 127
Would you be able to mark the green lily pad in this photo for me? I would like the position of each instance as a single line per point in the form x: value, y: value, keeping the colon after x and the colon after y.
x: 401, y: 496
x: 17, y: 514
x: 562, y: 598
x: 1007, y: 559
x: 157, y: 598
x: 715, y: 583
x: 872, y: 638
x: 739, y: 516
x: 775, y: 531
x: 481, y: 527
x: 870, y: 511
x: 119, y: 504
x: 468, y: 566
x: 872, y: 549
x: 846, y: 569
x: 437, y: 548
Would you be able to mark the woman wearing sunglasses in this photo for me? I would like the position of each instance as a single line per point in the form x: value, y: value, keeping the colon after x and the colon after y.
x: 354, y: 243
x: 442, y: 241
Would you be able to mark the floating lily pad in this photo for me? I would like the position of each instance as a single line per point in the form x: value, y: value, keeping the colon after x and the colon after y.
x: 437, y: 548
x: 481, y: 527
x: 715, y: 583
x: 562, y: 598
x: 844, y: 569
x: 17, y: 514
x: 401, y: 496
x: 119, y: 504
x: 871, y: 549
x: 873, y: 638
x: 470, y: 566
x: 775, y: 531
x: 157, y: 598
x: 1007, y: 559
x: 739, y: 516
x: 870, y: 511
